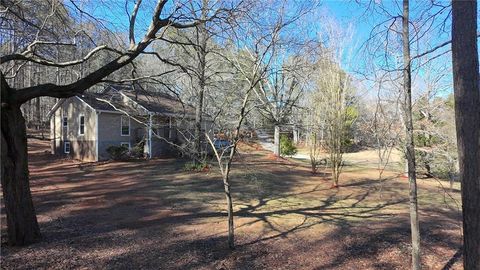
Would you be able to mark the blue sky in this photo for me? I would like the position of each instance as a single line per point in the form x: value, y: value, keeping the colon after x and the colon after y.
x: 347, y: 14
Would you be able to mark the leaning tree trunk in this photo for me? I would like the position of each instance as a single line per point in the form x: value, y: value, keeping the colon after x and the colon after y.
x: 467, y: 119
x: 22, y: 226
x: 409, y: 143
x: 276, y: 140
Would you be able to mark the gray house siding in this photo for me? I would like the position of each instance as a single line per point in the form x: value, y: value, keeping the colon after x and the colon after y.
x: 82, y: 147
x: 110, y: 133
x: 102, y: 125
x: 161, y: 148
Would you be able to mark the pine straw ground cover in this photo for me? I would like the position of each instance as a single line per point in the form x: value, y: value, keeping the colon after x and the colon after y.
x: 154, y: 215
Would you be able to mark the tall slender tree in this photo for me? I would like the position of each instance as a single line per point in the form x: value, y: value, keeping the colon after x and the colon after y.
x: 201, y: 52
x: 409, y: 143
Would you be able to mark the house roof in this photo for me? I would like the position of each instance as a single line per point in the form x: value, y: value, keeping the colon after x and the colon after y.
x: 93, y: 100
x: 160, y: 103
x: 113, y: 99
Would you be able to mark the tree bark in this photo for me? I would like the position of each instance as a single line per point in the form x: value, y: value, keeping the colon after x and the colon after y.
x: 409, y: 143
x: 276, y: 140
x: 228, y: 196
x: 467, y: 118
x: 22, y: 225
x: 198, y: 123
x: 202, y: 55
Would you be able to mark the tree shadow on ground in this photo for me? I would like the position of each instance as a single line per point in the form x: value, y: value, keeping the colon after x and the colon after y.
x: 361, y: 243
x: 152, y: 215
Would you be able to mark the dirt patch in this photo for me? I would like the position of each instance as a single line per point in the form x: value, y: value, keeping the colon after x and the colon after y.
x: 154, y: 215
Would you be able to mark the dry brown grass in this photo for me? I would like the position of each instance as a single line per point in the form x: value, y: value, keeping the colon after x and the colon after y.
x: 153, y: 215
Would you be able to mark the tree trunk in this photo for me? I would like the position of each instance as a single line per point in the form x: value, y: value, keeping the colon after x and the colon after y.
x: 467, y: 118
x: 22, y: 226
x: 409, y: 143
x: 228, y: 196
x: 198, y: 124
x: 202, y: 54
x: 276, y: 140
x: 336, y: 173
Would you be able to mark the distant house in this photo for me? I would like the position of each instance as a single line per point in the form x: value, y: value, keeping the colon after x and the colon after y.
x: 84, y: 126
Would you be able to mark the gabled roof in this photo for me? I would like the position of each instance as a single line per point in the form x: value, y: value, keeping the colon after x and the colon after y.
x: 113, y: 99
x: 94, y: 101
x: 160, y: 103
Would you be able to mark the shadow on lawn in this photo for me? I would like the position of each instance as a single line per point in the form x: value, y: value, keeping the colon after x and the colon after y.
x: 139, y: 208
x: 365, y: 242
x: 328, y: 212
x: 454, y: 259
x: 134, y: 195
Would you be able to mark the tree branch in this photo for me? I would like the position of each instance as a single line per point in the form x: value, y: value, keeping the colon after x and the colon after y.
x: 435, y: 48
x: 45, y: 62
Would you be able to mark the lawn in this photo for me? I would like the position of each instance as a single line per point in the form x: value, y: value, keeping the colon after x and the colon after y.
x: 154, y: 215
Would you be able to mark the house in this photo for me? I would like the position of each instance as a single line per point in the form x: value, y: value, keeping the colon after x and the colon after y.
x: 84, y: 126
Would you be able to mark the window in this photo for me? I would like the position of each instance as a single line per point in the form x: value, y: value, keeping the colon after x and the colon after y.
x: 81, y: 127
x: 125, y: 122
x: 65, y: 122
x: 66, y: 147
x: 126, y: 144
x: 162, y: 132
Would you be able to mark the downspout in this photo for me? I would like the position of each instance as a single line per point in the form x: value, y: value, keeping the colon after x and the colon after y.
x: 170, y: 127
x: 96, y: 136
x: 150, y: 135
x: 54, y: 144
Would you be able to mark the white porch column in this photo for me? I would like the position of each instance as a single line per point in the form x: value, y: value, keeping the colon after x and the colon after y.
x: 295, y: 134
x: 276, y: 140
x: 170, y: 127
x: 150, y: 136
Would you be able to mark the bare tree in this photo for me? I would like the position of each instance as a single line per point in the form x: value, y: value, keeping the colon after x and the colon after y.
x: 395, y: 35
x: 225, y: 158
x: 334, y: 104
x: 252, y: 62
x: 279, y: 92
x: 21, y: 219
x: 315, y: 152
x: 252, y: 68
x: 467, y: 116
x: 409, y: 143
x: 278, y: 95
x: 434, y: 122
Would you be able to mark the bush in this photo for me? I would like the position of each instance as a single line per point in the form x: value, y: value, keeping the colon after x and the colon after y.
x: 118, y: 152
x: 137, y: 151
x: 287, y: 148
x: 436, y: 164
x: 196, y: 166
